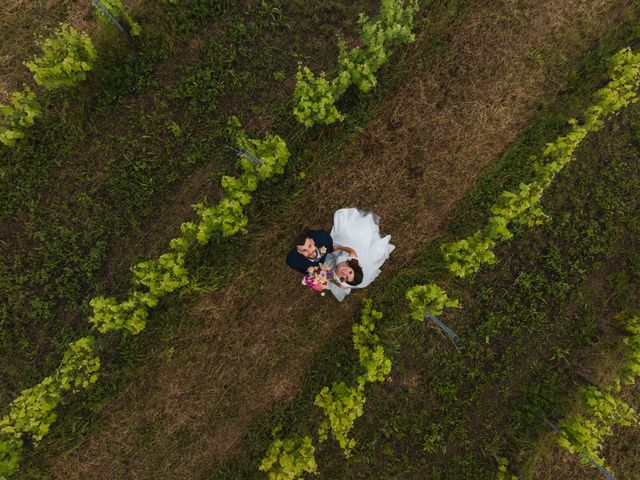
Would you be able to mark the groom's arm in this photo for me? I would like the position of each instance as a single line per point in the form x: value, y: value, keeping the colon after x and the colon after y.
x: 297, y: 262
x: 323, y: 239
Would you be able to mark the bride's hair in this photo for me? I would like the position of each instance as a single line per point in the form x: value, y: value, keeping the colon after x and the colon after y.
x: 357, y: 272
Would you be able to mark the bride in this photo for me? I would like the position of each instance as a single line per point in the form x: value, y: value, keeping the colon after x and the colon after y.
x: 360, y: 251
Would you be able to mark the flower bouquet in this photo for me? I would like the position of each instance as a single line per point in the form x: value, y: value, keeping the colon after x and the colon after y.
x: 318, y: 278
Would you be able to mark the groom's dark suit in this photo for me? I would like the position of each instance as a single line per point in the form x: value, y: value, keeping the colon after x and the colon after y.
x: 301, y: 263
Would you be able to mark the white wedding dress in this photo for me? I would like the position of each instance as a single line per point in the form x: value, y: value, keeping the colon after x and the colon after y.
x: 360, y: 231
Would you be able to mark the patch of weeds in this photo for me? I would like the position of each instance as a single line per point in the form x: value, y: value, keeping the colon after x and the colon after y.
x: 201, y: 89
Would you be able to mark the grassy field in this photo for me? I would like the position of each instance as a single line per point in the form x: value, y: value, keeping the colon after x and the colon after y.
x: 534, y: 328
x: 84, y: 197
x: 197, y: 395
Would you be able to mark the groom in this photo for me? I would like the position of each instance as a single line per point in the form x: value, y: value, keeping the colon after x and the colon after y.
x: 309, y: 250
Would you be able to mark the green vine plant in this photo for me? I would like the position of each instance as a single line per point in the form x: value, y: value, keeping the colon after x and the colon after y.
x: 367, y: 343
x: 20, y: 114
x: 343, y: 404
x: 392, y: 28
x: 67, y: 56
x: 522, y: 206
x: 600, y: 410
x: 228, y: 216
x: 631, y: 367
x: 32, y: 413
x: 10, y: 453
x: 117, y: 10
x: 584, y: 433
x: 315, y: 96
x: 153, y: 279
x: 428, y: 297
x: 289, y: 459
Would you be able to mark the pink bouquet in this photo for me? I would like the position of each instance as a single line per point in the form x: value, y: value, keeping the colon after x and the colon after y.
x: 318, y: 277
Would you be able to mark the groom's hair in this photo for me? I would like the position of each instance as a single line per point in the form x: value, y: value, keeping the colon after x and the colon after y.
x: 357, y: 272
x: 300, y: 240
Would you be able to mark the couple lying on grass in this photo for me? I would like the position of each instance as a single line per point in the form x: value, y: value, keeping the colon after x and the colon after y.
x: 349, y: 257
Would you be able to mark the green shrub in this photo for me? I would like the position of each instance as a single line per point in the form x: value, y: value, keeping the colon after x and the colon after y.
x: 584, y: 433
x: 315, y: 96
x: 342, y: 406
x: 67, y: 56
x: 429, y: 297
x: 31, y: 413
x: 631, y: 366
x: 376, y: 364
x: 288, y: 459
x: 10, y: 453
x: 20, y: 114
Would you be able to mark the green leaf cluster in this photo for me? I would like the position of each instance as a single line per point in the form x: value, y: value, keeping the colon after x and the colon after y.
x: 67, y: 56
x: 392, y: 27
x: 20, y: 114
x: 600, y: 410
x: 130, y: 314
x: 428, y: 297
x: 373, y: 360
x: 631, y: 366
x: 315, y: 96
x: 342, y: 406
x: 79, y: 367
x: 584, y: 433
x: 362, y: 64
x: 10, y: 452
x: 117, y: 10
x: 522, y: 206
x: 32, y: 413
x: 466, y: 256
x: 290, y: 458
x: 162, y: 275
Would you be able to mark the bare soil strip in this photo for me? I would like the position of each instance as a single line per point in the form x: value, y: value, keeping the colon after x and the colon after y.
x: 412, y: 166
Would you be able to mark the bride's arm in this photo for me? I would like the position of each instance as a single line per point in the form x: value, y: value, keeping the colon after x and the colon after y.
x: 352, y: 253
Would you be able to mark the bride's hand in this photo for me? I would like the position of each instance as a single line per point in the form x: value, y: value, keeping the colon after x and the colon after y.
x: 352, y: 253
